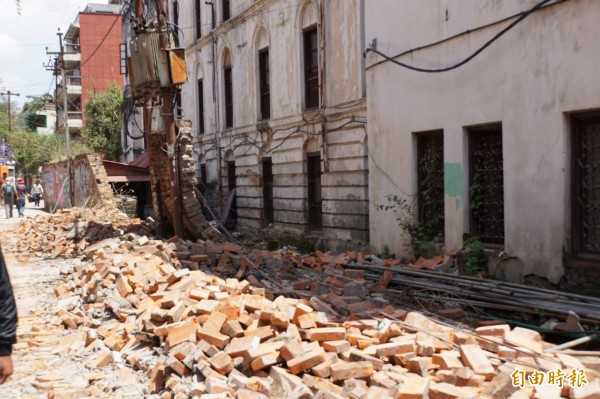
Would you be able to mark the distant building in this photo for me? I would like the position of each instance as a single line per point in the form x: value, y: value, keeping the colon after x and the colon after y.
x: 91, y: 58
x: 44, y: 121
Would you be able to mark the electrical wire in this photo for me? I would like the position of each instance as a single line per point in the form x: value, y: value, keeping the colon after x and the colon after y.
x: 522, y: 16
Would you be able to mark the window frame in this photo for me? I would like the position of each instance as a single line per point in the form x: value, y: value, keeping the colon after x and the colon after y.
x: 200, y: 99
x: 198, y: 12
x: 228, y: 95
x: 264, y: 85
x: 311, y: 74
x: 226, y: 10
x: 489, y: 129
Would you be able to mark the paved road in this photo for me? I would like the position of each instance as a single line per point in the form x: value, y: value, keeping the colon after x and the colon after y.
x: 30, y: 211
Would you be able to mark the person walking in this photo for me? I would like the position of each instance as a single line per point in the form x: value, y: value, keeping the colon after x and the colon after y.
x: 8, y: 195
x: 21, y: 195
x: 8, y: 322
x: 37, y: 190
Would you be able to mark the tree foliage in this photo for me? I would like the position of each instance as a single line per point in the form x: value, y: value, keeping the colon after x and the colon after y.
x: 31, y: 149
x: 102, y: 132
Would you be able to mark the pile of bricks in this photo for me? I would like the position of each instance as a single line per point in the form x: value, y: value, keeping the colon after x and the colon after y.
x: 148, y: 303
x: 69, y: 231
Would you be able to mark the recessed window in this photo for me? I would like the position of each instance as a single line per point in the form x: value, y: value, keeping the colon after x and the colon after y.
x: 486, y: 188
x: 268, y: 191
x: 232, y: 185
x: 199, y: 18
x: 200, y: 106
x: 315, y: 198
x: 176, y: 20
x: 430, y: 181
x: 265, y: 87
x: 585, y: 197
x: 228, y: 82
x: 226, y: 10
x: 311, y: 67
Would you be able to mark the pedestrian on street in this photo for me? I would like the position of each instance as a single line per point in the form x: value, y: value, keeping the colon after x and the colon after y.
x: 36, y: 192
x: 8, y: 195
x: 21, y: 195
x: 8, y: 322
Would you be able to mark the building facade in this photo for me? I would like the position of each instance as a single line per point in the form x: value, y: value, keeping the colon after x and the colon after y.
x: 508, y: 142
x: 276, y: 96
x: 91, y: 59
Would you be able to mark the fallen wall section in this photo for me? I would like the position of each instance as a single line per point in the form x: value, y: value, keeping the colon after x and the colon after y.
x: 89, y: 185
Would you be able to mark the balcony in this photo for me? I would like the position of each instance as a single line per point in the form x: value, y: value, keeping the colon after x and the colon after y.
x: 72, y: 55
x: 73, y: 88
x: 75, y: 120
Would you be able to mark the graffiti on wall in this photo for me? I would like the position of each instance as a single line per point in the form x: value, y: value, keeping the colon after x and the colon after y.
x: 82, y: 174
x: 48, y: 187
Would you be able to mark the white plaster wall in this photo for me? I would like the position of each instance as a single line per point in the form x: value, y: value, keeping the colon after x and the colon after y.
x: 530, y: 79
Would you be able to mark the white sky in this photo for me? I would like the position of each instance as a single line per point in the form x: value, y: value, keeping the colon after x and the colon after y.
x: 24, y: 38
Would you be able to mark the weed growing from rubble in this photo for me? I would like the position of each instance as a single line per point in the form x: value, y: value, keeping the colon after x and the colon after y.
x: 476, y: 260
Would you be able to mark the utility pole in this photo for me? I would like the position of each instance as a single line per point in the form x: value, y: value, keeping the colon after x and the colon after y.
x: 9, y: 94
x: 60, y: 64
x: 66, y: 113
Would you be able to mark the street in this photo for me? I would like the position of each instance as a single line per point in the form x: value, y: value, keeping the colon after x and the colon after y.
x: 46, y: 367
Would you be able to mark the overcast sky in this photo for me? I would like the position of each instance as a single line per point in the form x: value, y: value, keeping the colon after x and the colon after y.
x: 24, y: 38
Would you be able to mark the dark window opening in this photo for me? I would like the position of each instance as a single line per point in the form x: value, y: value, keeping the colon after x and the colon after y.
x: 178, y: 108
x: 268, y: 191
x: 226, y: 10
x: 315, y: 199
x: 200, y: 106
x: 430, y: 181
x: 486, y: 188
x: 232, y: 185
x: 586, y: 185
x: 176, y: 21
x: 203, y: 174
x: 265, y: 88
x: 228, y: 96
x: 199, y: 18
x: 311, y: 68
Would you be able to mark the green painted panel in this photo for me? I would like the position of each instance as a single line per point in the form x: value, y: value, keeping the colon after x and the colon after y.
x: 454, y: 182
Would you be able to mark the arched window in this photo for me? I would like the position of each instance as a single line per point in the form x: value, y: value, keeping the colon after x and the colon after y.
x: 200, y: 100
x: 310, y: 55
x: 228, y: 89
x: 264, y: 75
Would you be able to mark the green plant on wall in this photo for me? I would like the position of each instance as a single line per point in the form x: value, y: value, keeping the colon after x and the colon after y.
x: 429, y: 229
x: 422, y: 236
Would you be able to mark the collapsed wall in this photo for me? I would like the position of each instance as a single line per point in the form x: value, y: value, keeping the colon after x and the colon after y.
x: 88, y: 185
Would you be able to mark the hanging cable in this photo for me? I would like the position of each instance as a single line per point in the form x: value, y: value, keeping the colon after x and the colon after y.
x: 522, y: 16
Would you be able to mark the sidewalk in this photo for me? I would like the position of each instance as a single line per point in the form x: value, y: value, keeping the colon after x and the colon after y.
x: 30, y: 211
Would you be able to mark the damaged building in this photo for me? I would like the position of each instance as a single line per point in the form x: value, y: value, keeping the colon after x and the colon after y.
x: 276, y: 96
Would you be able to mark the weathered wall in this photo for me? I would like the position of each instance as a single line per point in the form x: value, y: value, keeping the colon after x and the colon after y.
x: 89, y: 183
x: 529, y: 80
x: 291, y: 132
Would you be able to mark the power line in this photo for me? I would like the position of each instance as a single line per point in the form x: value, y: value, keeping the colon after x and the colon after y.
x: 521, y: 15
x: 120, y: 14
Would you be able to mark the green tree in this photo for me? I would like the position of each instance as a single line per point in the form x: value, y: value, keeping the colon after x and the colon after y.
x: 102, y: 132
